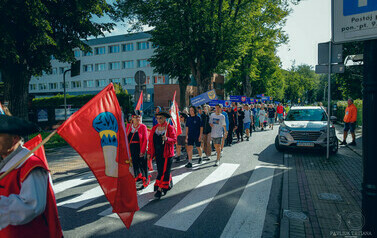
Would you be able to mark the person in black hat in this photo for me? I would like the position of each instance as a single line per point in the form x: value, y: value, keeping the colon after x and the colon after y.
x: 27, y: 201
x: 161, y: 146
x: 137, y: 135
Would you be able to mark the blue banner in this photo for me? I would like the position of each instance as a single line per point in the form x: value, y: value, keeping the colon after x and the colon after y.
x: 204, y: 98
x: 241, y: 99
x: 276, y: 102
x: 260, y: 95
x: 222, y: 102
x: 227, y: 103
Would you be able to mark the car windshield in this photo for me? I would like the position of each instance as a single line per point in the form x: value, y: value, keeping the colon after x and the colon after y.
x: 306, y: 115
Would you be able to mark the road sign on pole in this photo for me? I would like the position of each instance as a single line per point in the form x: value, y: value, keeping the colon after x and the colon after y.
x: 335, y: 69
x: 354, y: 20
x: 336, y: 54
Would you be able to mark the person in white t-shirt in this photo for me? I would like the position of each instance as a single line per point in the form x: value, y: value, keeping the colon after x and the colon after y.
x: 218, y: 124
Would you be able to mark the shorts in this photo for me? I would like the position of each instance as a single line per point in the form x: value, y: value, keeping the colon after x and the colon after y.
x: 350, y: 126
x: 193, y: 141
x: 246, y: 125
x: 280, y: 115
x: 271, y: 120
x: 217, y: 141
x: 181, y: 140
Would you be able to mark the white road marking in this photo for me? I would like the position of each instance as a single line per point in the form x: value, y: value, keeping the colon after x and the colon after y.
x: 184, y: 214
x: 85, y: 198
x: 60, y: 187
x: 248, y: 217
x: 146, y: 195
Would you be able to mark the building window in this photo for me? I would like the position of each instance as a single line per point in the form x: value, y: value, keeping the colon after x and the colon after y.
x: 89, y: 53
x: 143, y: 45
x: 77, y: 53
x: 148, y: 97
x: 128, y: 64
x: 53, y: 86
x: 129, y: 81
x: 114, y: 65
x: 32, y: 87
x: 89, y: 84
x: 42, y: 86
x: 101, y: 82
x: 62, y: 69
x: 113, y: 49
x: 142, y: 63
x: 159, y: 79
x: 100, y: 50
x: 76, y: 84
x: 66, y: 85
x: 88, y: 68
x: 118, y: 81
x: 148, y: 80
x: 100, y: 67
x: 54, y: 70
x: 154, y: 46
x: 128, y: 47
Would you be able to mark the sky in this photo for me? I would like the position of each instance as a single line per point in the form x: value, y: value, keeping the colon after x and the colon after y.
x: 308, y: 25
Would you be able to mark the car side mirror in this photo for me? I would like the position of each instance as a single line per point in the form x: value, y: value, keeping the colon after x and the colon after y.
x: 333, y: 119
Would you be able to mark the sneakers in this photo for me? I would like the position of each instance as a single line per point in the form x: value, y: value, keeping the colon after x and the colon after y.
x: 206, y: 158
x: 200, y: 160
x: 188, y: 165
x: 217, y: 163
x: 177, y: 159
x: 343, y: 143
x: 352, y: 143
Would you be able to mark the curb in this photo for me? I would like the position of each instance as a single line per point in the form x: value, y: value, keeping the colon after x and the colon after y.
x: 284, y: 223
x: 349, y: 147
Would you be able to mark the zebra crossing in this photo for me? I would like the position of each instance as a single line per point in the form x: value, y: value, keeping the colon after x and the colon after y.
x: 244, y: 220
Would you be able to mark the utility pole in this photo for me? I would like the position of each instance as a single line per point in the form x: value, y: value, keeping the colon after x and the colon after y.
x: 369, y: 202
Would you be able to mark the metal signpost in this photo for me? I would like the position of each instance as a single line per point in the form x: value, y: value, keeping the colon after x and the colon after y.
x: 356, y: 20
x: 75, y: 70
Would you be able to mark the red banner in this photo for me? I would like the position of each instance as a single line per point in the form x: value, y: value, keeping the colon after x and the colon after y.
x: 97, y: 133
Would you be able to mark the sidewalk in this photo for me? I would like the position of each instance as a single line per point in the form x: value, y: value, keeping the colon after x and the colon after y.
x: 320, y: 197
x: 65, y: 161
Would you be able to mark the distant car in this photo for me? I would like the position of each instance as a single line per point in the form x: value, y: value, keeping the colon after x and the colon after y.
x: 306, y: 127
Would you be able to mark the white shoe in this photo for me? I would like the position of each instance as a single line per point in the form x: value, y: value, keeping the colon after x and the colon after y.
x: 217, y: 163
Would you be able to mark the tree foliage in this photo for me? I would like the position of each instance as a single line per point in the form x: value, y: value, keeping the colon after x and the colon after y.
x: 31, y: 31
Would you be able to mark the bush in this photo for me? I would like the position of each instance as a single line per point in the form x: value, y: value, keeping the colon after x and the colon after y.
x: 55, y: 140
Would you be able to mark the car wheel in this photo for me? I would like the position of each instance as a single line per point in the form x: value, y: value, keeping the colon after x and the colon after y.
x: 334, y: 149
x: 277, y: 145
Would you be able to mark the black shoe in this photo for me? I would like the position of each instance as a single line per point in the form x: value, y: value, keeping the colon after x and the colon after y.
x: 177, y: 159
x: 247, y: 138
x: 158, y: 194
x: 353, y: 143
x: 206, y: 158
x: 262, y: 129
x: 200, y: 160
x: 188, y: 165
x: 343, y: 143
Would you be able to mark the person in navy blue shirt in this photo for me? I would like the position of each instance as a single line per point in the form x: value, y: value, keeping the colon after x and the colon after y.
x: 194, y: 131
x: 158, y: 109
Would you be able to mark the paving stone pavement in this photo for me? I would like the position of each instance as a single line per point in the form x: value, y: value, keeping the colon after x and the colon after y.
x: 327, y: 192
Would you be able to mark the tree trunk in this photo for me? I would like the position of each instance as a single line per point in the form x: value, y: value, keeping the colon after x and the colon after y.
x: 16, y: 85
x: 182, y: 88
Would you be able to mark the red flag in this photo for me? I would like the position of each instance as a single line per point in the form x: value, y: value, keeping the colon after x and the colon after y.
x: 2, y: 112
x: 139, y: 105
x: 96, y: 132
x: 174, y: 112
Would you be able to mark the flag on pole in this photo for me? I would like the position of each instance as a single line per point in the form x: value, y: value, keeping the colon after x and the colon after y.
x: 139, y: 105
x: 174, y: 112
x: 2, y: 112
x: 97, y: 133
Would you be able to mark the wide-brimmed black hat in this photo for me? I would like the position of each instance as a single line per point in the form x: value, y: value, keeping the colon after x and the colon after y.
x: 17, y: 126
x: 183, y: 114
x: 163, y: 113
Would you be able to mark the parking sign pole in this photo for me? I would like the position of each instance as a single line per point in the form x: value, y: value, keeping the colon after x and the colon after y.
x: 329, y: 102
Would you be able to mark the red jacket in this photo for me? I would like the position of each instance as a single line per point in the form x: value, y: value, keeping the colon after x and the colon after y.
x: 45, y: 225
x: 169, y: 147
x: 143, y: 136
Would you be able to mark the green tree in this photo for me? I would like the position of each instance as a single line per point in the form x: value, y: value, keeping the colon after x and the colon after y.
x: 31, y: 31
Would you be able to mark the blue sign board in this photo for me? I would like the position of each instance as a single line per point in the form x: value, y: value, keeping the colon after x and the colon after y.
x: 352, y: 7
x: 260, y: 95
x: 222, y: 102
x: 204, y: 98
x: 241, y: 99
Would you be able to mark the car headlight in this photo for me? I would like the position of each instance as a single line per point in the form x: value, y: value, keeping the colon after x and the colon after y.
x: 284, y: 129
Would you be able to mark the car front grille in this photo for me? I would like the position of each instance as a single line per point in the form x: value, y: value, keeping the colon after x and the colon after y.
x: 305, y: 135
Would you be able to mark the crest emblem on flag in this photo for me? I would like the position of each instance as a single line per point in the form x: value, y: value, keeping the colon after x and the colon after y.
x: 107, y: 126
x: 212, y: 94
x: 243, y: 99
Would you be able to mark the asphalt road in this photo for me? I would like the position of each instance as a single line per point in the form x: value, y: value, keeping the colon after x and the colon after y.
x: 240, y: 198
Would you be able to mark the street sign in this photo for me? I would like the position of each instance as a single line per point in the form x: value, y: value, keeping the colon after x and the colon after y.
x: 336, y: 54
x: 75, y: 68
x: 335, y: 69
x: 354, y: 20
x: 140, y: 77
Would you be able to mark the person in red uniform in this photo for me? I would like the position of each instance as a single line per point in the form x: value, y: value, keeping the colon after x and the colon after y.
x: 137, y: 134
x: 27, y: 200
x: 161, y: 146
